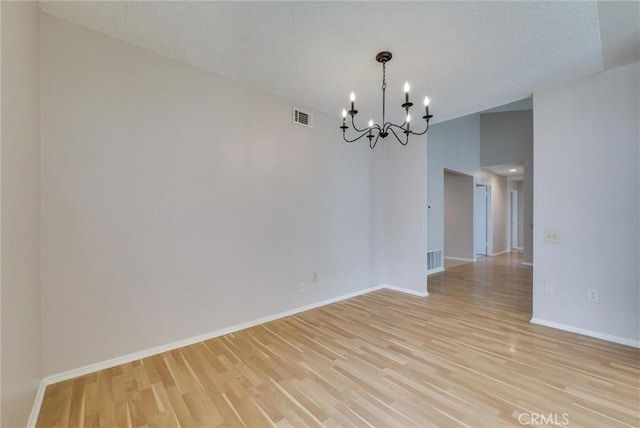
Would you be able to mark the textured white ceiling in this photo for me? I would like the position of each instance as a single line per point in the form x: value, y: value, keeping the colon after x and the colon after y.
x: 467, y: 56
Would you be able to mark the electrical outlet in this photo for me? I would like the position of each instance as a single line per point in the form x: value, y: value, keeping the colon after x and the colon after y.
x: 593, y: 295
x: 314, y: 277
x: 551, y: 237
x: 301, y: 287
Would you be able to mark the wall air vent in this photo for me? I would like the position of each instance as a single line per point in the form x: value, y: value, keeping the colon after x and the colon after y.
x: 302, y: 118
x: 434, y: 262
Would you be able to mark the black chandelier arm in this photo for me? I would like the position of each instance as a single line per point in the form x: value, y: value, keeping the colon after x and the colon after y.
x: 372, y: 143
x: 398, y: 138
x: 390, y: 127
x: 353, y: 123
x: 387, y: 126
x: 365, y: 133
x: 421, y: 133
x: 402, y: 128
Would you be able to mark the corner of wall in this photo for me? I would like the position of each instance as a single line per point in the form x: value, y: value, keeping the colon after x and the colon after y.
x: 599, y: 226
x: 20, y: 216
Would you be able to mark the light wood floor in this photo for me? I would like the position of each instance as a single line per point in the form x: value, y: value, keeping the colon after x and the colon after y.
x: 464, y: 356
x: 449, y: 263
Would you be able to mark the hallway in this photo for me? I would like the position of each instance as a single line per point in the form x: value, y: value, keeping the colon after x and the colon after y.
x: 499, y: 283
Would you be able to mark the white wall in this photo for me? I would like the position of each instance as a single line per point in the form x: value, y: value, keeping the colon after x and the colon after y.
x: 176, y: 202
x: 507, y: 137
x: 458, y: 216
x: 20, y: 225
x: 401, y: 174
x: 587, y: 188
x: 452, y: 145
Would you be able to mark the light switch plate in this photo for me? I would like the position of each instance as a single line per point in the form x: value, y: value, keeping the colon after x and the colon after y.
x: 552, y: 236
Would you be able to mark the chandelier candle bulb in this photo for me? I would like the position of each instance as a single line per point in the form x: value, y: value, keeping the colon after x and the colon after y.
x: 406, y: 92
x: 352, y: 98
x: 344, y: 116
x: 426, y: 106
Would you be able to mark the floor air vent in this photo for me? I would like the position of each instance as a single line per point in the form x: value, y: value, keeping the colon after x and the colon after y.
x: 434, y: 261
x: 302, y: 118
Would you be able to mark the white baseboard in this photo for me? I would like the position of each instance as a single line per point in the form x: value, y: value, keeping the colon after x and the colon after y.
x: 500, y: 252
x: 70, y: 374
x: 35, y: 411
x: 461, y: 259
x: 436, y: 270
x: 405, y: 290
x: 585, y: 332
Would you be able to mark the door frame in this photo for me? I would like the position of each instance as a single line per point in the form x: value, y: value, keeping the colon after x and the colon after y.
x: 489, y: 218
x: 513, y: 219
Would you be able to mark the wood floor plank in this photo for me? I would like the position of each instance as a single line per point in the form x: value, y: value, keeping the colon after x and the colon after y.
x: 464, y: 356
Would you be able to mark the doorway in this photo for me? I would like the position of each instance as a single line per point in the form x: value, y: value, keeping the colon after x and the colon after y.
x: 481, y: 219
x: 513, y: 218
x: 458, y: 216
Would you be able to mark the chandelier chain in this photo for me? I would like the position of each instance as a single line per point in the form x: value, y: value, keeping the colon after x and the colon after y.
x: 384, y: 76
x: 384, y: 91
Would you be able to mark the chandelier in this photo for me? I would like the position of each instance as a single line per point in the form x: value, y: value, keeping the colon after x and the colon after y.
x: 375, y: 131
